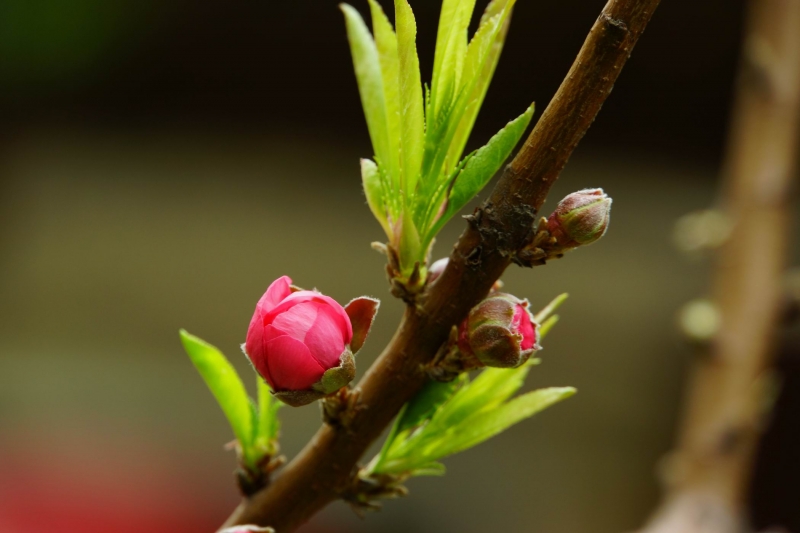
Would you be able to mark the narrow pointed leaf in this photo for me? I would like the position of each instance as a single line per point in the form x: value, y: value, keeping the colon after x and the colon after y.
x: 489, y: 389
x: 410, y: 243
x: 547, y: 325
x: 370, y: 81
x: 413, y: 120
x: 482, y: 166
x: 268, y: 422
x: 225, y: 385
x: 483, y: 55
x: 489, y: 423
x: 450, y: 47
x: 550, y: 308
x: 386, y: 44
x: 426, y: 402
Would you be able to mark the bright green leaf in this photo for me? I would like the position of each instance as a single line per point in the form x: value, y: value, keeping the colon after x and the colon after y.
x: 489, y: 389
x: 225, y: 385
x: 489, y: 423
x: 483, y: 55
x: 451, y: 44
x: 547, y: 325
x: 410, y: 243
x: 370, y: 81
x: 445, y: 436
x: 482, y: 166
x: 386, y: 43
x: 426, y: 402
x: 268, y: 422
x: 550, y: 308
x: 413, y: 120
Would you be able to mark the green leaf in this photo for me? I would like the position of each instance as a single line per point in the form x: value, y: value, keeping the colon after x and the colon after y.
x: 550, y: 308
x: 451, y: 44
x: 446, y: 434
x: 489, y: 423
x: 489, y: 389
x: 410, y: 244
x: 483, y: 55
x: 413, y: 119
x: 370, y: 81
x: 227, y: 388
x: 482, y: 166
x: 426, y: 402
x: 420, y: 409
x: 386, y: 43
x: 547, y: 325
x: 268, y: 422
x: 374, y: 190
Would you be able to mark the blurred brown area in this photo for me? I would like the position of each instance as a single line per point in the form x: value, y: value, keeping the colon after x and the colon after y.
x: 162, y: 162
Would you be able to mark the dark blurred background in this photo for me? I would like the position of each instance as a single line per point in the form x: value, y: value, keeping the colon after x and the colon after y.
x: 161, y: 162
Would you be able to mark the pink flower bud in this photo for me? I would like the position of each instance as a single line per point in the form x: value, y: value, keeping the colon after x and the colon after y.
x: 499, y: 331
x: 580, y: 218
x: 302, y: 342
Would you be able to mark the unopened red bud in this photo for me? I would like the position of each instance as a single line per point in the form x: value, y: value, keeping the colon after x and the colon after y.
x: 302, y: 342
x: 499, y: 331
x: 580, y: 218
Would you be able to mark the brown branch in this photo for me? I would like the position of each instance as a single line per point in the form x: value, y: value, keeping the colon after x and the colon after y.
x: 710, y: 470
x: 498, y: 230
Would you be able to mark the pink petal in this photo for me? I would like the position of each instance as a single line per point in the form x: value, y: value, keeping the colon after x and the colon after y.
x: 524, y: 325
x: 254, y: 345
x: 325, y: 339
x: 306, y: 296
x: 291, y: 365
x: 297, y: 320
x: 276, y: 293
x: 267, y: 334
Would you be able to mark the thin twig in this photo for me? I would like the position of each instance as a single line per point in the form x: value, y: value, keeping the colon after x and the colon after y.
x: 498, y: 230
x: 708, y: 474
